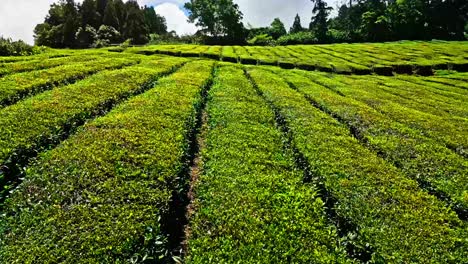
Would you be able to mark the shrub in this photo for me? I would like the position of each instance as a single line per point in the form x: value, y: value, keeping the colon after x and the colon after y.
x: 106, y: 36
x: 261, y: 40
x: 86, y: 36
x: 297, y: 38
x: 8, y: 47
x: 338, y: 36
x: 283, y: 221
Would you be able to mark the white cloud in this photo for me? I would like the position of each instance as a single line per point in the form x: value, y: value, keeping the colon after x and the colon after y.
x: 19, y: 17
x: 175, y: 18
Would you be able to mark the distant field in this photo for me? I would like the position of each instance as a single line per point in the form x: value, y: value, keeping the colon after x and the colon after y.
x: 197, y: 154
x: 405, y: 57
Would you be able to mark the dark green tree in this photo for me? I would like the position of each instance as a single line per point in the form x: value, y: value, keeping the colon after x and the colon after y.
x: 319, y: 23
x: 89, y: 15
x: 277, y: 29
x: 72, y: 23
x: 297, y: 26
x: 85, y: 36
x: 56, y: 15
x: 110, y: 15
x: 220, y: 18
x: 156, y: 24
x: 135, y: 26
x: 121, y: 13
x: 101, y: 8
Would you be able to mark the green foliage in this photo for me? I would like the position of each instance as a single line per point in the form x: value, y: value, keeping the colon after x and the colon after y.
x: 110, y: 15
x: 262, y: 40
x: 399, y: 144
x: 135, y: 26
x: 338, y: 36
x: 252, y: 206
x: 89, y: 15
x: 70, y: 25
x: 378, y: 20
x: 85, y: 37
x: 156, y: 24
x: 50, y: 113
x: 128, y: 162
x: 277, y: 29
x: 107, y: 35
x: 39, y: 63
x: 220, y: 19
x: 304, y: 37
x: 319, y: 23
x: 297, y: 26
x: 8, y: 47
x: 16, y: 86
x: 381, y: 208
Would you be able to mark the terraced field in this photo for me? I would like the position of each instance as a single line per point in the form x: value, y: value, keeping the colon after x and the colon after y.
x: 136, y: 157
x: 405, y: 57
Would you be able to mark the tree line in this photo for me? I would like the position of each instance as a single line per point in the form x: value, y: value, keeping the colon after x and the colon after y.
x: 98, y: 23
x: 357, y: 21
x: 102, y: 22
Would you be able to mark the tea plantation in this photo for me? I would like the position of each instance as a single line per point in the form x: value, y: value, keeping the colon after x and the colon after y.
x: 345, y: 153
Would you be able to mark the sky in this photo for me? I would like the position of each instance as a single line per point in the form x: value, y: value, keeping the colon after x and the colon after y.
x: 19, y: 17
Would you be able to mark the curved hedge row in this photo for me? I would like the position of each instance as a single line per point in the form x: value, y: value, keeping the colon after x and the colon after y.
x: 99, y: 196
x: 40, y: 64
x: 386, y: 214
x: 17, y: 86
x: 452, y: 134
x: 251, y: 205
x: 419, y: 157
x: 43, y: 120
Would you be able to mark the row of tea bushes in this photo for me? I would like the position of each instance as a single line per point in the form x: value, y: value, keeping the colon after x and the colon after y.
x: 41, y: 121
x: 99, y: 197
x: 251, y: 204
x: 386, y: 216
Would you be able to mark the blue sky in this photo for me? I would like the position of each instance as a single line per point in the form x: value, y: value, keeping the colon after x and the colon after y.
x: 19, y: 17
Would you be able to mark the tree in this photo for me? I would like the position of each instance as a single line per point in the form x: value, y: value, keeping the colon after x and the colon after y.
x: 320, y: 19
x: 71, y: 25
x: 110, y: 15
x: 277, y: 29
x: 121, y: 13
x: 156, y: 24
x: 135, y: 26
x: 101, y: 8
x: 297, y: 26
x: 89, y: 15
x: 108, y: 35
x: 56, y: 15
x: 217, y: 18
x: 86, y: 36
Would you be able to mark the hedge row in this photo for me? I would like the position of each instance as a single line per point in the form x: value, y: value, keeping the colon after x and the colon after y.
x: 47, y: 55
x: 100, y: 195
x: 419, y: 157
x: 42, y: 121
x: 448, y: 88
x: 251, y: 205
x: 40, y: 64
x: 415, y: 96
x: 384, y: 213
x: 386, y: 59
x: 456, y: 80
x: 453, y: 133
x: 17, y: 86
